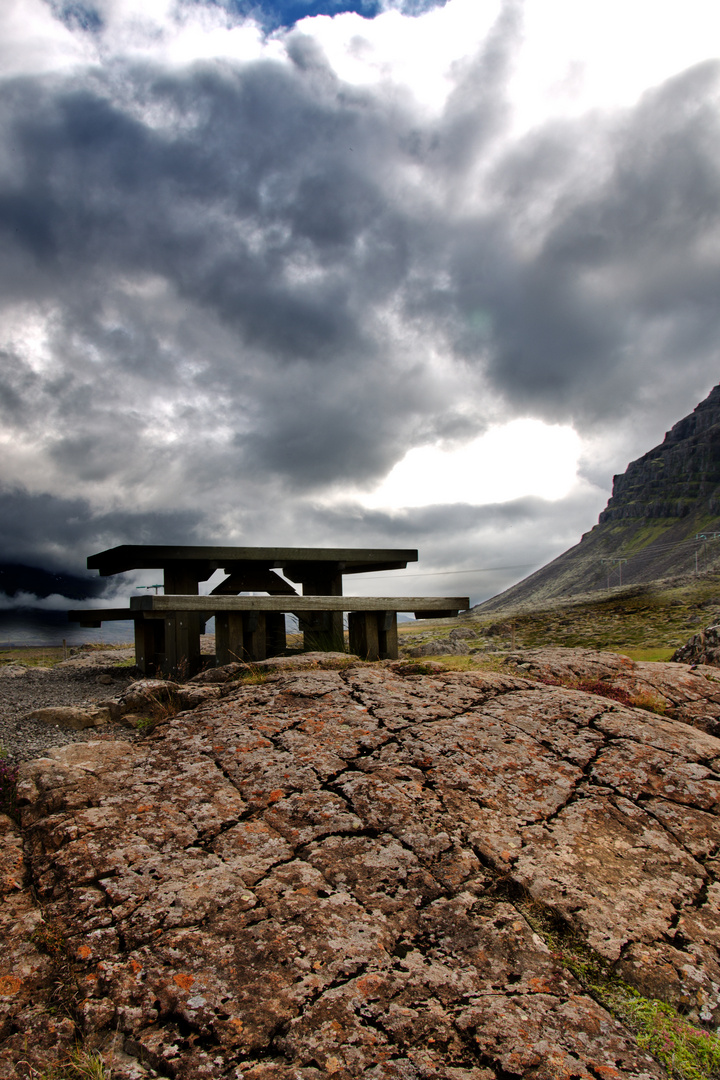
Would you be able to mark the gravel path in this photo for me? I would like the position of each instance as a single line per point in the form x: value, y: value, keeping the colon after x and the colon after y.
x: 73, y: 682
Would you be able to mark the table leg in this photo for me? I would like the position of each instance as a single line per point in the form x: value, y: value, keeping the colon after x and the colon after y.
x: 240, y: 636
x: 388, y: 635
x: 254, y: 636
x: 364, y: 641
x: 325, y: 630
x: 373, y: 634
x: 276, y: 638
x: 182, y: 643
x: 149, y: 644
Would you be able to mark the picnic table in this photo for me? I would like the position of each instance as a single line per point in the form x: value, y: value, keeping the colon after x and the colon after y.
x: 168, y: 627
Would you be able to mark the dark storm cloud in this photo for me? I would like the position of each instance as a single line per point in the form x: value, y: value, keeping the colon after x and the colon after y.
x: 281, y: 166
x: 45, y: 531
x: 252, y: 281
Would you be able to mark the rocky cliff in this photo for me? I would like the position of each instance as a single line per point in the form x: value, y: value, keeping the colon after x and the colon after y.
x: 662, y: 521
x: 373, y: 872
x: 680, y: 477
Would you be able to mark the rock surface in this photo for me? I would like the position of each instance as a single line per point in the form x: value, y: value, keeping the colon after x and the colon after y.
x: 321, y: 874
x: 686, y: 692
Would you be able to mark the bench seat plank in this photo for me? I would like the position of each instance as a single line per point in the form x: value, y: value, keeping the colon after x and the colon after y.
x: 437, y: 605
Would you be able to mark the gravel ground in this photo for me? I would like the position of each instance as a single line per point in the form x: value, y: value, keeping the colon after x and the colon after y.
x: 72, y: 682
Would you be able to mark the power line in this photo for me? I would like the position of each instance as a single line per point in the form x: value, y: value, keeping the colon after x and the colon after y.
x: 443, y: 573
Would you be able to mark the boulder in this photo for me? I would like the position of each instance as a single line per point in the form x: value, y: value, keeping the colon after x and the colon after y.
x: 75, y: 717
x: 685, y: 692
x: 702, y: 648
x: 146, y: 694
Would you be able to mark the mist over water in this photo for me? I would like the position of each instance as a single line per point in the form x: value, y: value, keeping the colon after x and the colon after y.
x: 52, y: 627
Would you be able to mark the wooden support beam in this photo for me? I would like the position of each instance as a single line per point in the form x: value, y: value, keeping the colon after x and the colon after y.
x: 323, y: 631
x: 253, y: 580
x: 254, y: 641
x: 388, y: 635
x: 182, y: 643
x: 363, y: 633
x: 275, y: 635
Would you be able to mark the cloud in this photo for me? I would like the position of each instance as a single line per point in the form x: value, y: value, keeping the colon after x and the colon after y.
x: 239, y: 286
x: 494, y: 468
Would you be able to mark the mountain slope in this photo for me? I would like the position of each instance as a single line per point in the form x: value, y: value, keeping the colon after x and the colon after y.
x: 662, y: 521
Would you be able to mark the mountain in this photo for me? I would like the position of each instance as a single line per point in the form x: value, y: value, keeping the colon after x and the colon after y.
x: 662, y: 521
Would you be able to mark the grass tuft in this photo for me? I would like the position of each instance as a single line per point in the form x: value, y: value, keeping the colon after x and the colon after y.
x: 158, y: 712
x: 81, y: 1064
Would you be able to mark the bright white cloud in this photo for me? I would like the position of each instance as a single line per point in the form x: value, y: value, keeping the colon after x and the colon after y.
x: 577, y: 57
x: 572, y: 57
x: 524, y: 457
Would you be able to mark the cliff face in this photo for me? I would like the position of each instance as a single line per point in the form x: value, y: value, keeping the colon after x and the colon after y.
x: 662, y: 521
x: 677, y: 478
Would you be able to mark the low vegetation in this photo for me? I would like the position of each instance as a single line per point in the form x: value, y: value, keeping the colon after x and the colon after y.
x: 643, y: 622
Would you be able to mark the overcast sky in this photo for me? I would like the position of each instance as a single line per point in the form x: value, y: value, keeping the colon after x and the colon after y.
x: 417, y: 274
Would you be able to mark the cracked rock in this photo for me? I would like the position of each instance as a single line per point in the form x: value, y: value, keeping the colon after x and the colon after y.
x: 347, y: 872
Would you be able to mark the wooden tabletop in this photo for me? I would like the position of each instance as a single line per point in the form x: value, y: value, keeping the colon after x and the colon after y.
x: 205, y: 560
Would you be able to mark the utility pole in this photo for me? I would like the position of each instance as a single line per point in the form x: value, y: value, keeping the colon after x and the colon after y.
x: 610, y: 563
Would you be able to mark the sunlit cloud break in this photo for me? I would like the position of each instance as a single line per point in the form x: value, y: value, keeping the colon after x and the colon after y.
x: 523, y: 458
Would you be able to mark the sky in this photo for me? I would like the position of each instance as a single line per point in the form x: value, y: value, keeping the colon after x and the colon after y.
x: 391, y: 273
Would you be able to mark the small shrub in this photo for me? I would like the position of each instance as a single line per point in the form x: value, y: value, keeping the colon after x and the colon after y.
x: 651, y: 702
x: 254, y: 676
x: 686, y: 1051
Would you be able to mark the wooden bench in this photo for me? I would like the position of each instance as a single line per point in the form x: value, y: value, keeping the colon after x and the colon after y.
x: 241, y: 622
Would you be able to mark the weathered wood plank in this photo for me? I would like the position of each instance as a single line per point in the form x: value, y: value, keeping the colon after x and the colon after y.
x: 149, y: 645
x: 438, y: 605
x: 324, y: 631
x: 125, y: 557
